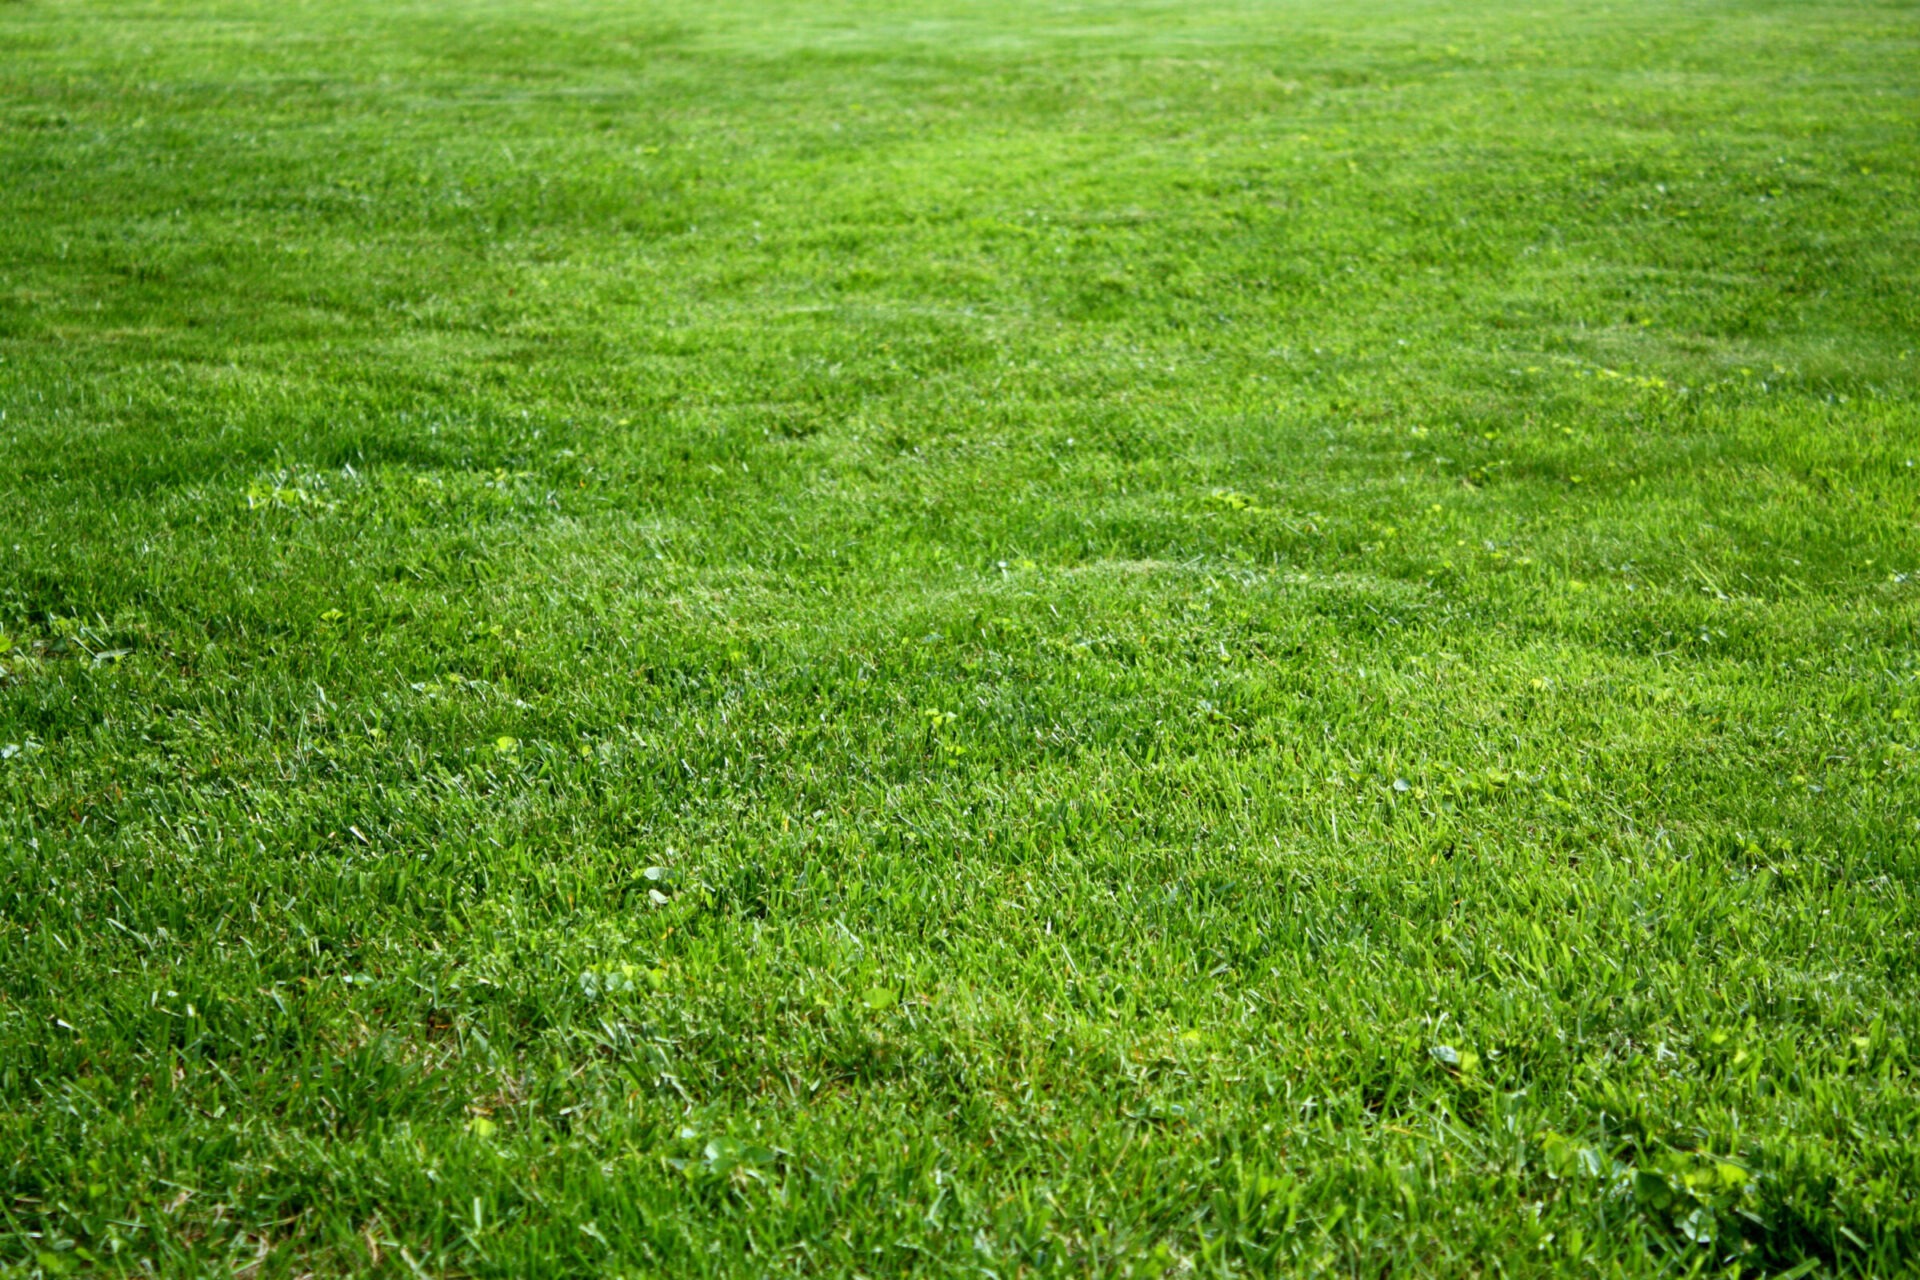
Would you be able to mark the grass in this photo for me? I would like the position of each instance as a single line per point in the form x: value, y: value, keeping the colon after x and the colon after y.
x: 999, y: 639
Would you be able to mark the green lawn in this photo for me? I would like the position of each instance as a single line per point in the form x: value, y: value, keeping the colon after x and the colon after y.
x: 956, y: 637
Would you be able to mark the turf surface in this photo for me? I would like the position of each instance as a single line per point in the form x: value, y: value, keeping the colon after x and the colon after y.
x: 959, y: 638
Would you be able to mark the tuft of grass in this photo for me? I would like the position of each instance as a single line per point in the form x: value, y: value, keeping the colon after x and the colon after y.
x: 1097, y: 639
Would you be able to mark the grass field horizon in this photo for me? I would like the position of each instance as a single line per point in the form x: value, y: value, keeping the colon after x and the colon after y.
x: 1008, y: 640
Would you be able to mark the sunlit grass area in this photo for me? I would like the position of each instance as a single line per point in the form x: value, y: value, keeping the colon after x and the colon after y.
x: 959, y: 638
